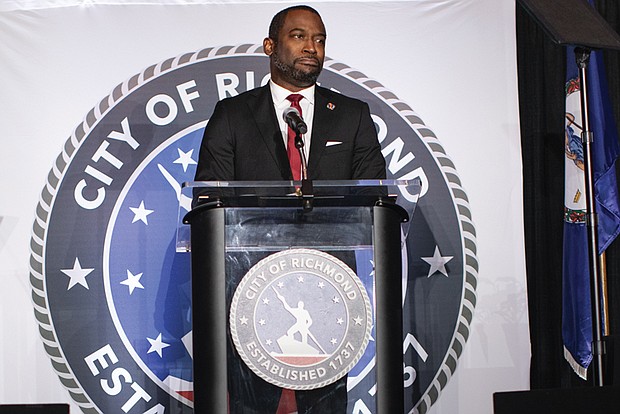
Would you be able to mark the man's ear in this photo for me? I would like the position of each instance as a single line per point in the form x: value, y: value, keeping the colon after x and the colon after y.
x: 268, y: 46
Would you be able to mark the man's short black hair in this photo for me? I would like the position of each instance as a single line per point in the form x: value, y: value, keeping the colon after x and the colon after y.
x: 278, y: 20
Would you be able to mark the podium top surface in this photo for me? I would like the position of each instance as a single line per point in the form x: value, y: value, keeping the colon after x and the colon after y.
x: 288, y: 193
x: 294, y: 195
x: 317, y: 184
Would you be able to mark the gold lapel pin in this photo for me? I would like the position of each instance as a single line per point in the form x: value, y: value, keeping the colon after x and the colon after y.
x: 331, y: 106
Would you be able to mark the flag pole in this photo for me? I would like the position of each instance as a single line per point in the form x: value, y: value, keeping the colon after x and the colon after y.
x: 577, y: 23
x: 582, y: 57
x: 604, y: 294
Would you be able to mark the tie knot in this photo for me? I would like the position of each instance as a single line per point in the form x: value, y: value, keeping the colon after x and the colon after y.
x: 294, y: 98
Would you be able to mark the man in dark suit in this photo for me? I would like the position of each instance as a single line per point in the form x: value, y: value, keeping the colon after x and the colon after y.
x: 247, y: 139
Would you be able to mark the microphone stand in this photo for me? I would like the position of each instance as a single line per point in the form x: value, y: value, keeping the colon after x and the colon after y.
x: 307, y: 192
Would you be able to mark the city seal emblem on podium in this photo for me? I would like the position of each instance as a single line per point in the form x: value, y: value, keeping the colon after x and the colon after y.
x: 300, y: 319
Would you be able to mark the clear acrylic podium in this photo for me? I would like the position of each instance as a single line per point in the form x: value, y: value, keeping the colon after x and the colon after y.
x: 233, y: 225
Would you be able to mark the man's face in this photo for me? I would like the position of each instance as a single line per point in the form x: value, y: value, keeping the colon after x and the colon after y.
x: 296, y: 57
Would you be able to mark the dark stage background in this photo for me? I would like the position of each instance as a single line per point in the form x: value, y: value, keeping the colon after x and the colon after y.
x: 541, y: 68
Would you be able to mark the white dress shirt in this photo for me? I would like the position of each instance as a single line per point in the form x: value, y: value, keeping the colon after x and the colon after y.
x: 280, y: 103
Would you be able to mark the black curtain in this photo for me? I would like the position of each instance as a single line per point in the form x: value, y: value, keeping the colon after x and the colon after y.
x: 541, y: 71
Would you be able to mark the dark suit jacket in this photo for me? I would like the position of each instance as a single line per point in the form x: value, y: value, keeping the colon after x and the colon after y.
x: 242, y: 141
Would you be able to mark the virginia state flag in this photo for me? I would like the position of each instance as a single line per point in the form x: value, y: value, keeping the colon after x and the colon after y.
x: 576, y: 310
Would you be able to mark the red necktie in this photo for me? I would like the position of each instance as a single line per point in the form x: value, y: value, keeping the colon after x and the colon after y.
x: 293, y: 153
x: 287, y: 404
x: 287, y: 399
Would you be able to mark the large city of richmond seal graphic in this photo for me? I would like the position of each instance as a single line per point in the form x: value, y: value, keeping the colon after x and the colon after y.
x: 300, y: 319
x: 111, y: 293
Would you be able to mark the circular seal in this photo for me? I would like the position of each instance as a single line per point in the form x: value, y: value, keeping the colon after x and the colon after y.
x: 111, y: 293
x: 300, y: 319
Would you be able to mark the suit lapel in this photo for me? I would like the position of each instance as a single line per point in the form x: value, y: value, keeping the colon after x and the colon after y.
x: 261, y: 106
x: 320, y: 130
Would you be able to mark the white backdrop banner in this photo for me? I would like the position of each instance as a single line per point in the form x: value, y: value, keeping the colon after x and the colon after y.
x: 102, y: 111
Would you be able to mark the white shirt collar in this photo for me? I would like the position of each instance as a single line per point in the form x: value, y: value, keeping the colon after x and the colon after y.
x: 279, y: 94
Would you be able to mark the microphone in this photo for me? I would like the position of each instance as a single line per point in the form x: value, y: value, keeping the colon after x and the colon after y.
x: 293, y: 119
